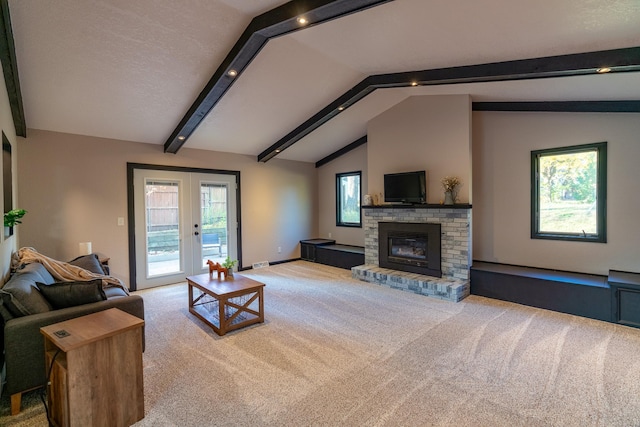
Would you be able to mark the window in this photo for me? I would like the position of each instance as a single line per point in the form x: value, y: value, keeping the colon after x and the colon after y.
x: 569, y: 193
x: 348, y: 195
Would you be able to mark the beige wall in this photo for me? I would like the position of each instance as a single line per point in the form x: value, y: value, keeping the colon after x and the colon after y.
x: 353, y: 161
x: 502, y: 144
x: 8, y: 245
x: 75, y: 188
x: 431, y: 133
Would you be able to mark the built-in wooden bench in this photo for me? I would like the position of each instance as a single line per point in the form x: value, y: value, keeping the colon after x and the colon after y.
x: 625, y: 297
x: 325, y: 251
x: 581, y: 294
x: 343, y: 256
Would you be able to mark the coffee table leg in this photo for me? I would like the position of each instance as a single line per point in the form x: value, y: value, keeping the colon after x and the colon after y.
x: 261, y: 304
x: 222, y: 302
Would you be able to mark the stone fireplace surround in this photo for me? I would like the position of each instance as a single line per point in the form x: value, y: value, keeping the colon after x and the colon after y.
x: 455, y: 222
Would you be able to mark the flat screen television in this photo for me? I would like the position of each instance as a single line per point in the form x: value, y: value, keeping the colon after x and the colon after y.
x: 406, y: 187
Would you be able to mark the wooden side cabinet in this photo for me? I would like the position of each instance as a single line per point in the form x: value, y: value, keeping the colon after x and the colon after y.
x: 95, y: 365
x: 625, y: 301
x: 308, y: 248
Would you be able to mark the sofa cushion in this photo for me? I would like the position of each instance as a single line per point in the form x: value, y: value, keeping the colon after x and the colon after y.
x: 4, y: 312
x: 89, y: 262
x: 71, y: 294
x: 113, y: 292
x: 39, y: 272
x: 20, y: 295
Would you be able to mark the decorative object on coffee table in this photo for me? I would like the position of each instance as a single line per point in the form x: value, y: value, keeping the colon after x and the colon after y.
x: 227, y: 304
x: 450, y: 185
x: 217, y: 267
x: 229, y: 264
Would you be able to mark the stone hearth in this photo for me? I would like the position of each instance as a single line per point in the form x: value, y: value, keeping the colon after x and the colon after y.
x: 455, y: 225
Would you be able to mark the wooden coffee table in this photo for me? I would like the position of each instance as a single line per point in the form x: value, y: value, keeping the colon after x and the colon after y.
x: 226, y: 304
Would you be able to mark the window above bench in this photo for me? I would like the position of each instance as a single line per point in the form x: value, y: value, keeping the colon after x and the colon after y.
x: 569, y: 193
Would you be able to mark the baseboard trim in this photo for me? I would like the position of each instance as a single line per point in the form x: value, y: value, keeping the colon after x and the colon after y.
x: 284, y: 261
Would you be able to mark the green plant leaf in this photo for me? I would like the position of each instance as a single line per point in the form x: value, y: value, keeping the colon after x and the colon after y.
x: 12, y: 217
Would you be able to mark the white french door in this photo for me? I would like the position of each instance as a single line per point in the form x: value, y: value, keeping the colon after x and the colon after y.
x: 182, y: 219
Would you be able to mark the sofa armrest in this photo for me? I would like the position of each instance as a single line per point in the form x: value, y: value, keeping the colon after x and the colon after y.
x: 24, y: 344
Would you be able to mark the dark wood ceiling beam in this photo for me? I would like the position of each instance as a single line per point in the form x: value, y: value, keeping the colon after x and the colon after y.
x: 10, y: 69
x: 562, y: 106
x: 274, y: 23
x: 349, y: 98
x: 619, y: 60
x: 341, y: 152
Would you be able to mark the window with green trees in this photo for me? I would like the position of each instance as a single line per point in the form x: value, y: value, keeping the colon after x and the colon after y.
x: 348, y: 195
x: 569, y: 187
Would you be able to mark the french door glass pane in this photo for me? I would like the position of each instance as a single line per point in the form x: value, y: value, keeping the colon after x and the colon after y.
x: 213, y: 202
x: 162, y: 212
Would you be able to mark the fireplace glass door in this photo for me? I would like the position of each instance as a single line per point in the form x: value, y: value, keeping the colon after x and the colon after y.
x: 410, y: 249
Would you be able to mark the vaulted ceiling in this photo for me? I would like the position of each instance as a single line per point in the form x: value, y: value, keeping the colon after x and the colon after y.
x: 154, y: 70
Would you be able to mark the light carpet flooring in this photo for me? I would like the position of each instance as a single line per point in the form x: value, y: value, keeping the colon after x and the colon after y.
x: 339, y: 352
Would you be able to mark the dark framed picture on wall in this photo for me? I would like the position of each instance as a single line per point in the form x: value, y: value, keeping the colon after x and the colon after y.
x: 7, y: 181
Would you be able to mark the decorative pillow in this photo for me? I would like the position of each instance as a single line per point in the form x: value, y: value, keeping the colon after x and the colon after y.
x: 89, y: 262
x: 71, y: 294
x: 20, y: 295
x: 38, y: 272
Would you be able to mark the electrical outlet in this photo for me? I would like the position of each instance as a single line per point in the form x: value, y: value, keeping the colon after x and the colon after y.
x: 329, y: 235
x: 120, y: 221
x: 61, y: 333
x: 279, y: 249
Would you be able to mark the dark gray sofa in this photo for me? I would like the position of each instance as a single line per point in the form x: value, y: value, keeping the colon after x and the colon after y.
x: 25, y: 310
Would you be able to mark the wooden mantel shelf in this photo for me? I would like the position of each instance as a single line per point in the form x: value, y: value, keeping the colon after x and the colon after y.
x: 420, y: 206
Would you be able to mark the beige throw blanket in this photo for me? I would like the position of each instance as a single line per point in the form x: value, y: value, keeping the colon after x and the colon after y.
x: 66, y: 272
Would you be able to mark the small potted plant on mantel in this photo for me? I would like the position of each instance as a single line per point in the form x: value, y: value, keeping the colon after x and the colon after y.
x: 12, y: 218
x: 450, y: 185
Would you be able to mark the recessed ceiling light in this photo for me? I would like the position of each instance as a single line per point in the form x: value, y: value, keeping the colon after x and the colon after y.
x: 414, y: 83
x: 182, y: 137
x: 603, y: 70
x: 302, y: 20
x: 278, y: 150
x: 232, y: 73
x: 340, y: 108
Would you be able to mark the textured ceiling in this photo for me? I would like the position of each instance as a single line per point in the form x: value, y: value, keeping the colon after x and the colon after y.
x: 131, y: 69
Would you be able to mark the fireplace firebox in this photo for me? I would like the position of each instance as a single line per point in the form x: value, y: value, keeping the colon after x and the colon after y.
x: 411, y: 247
